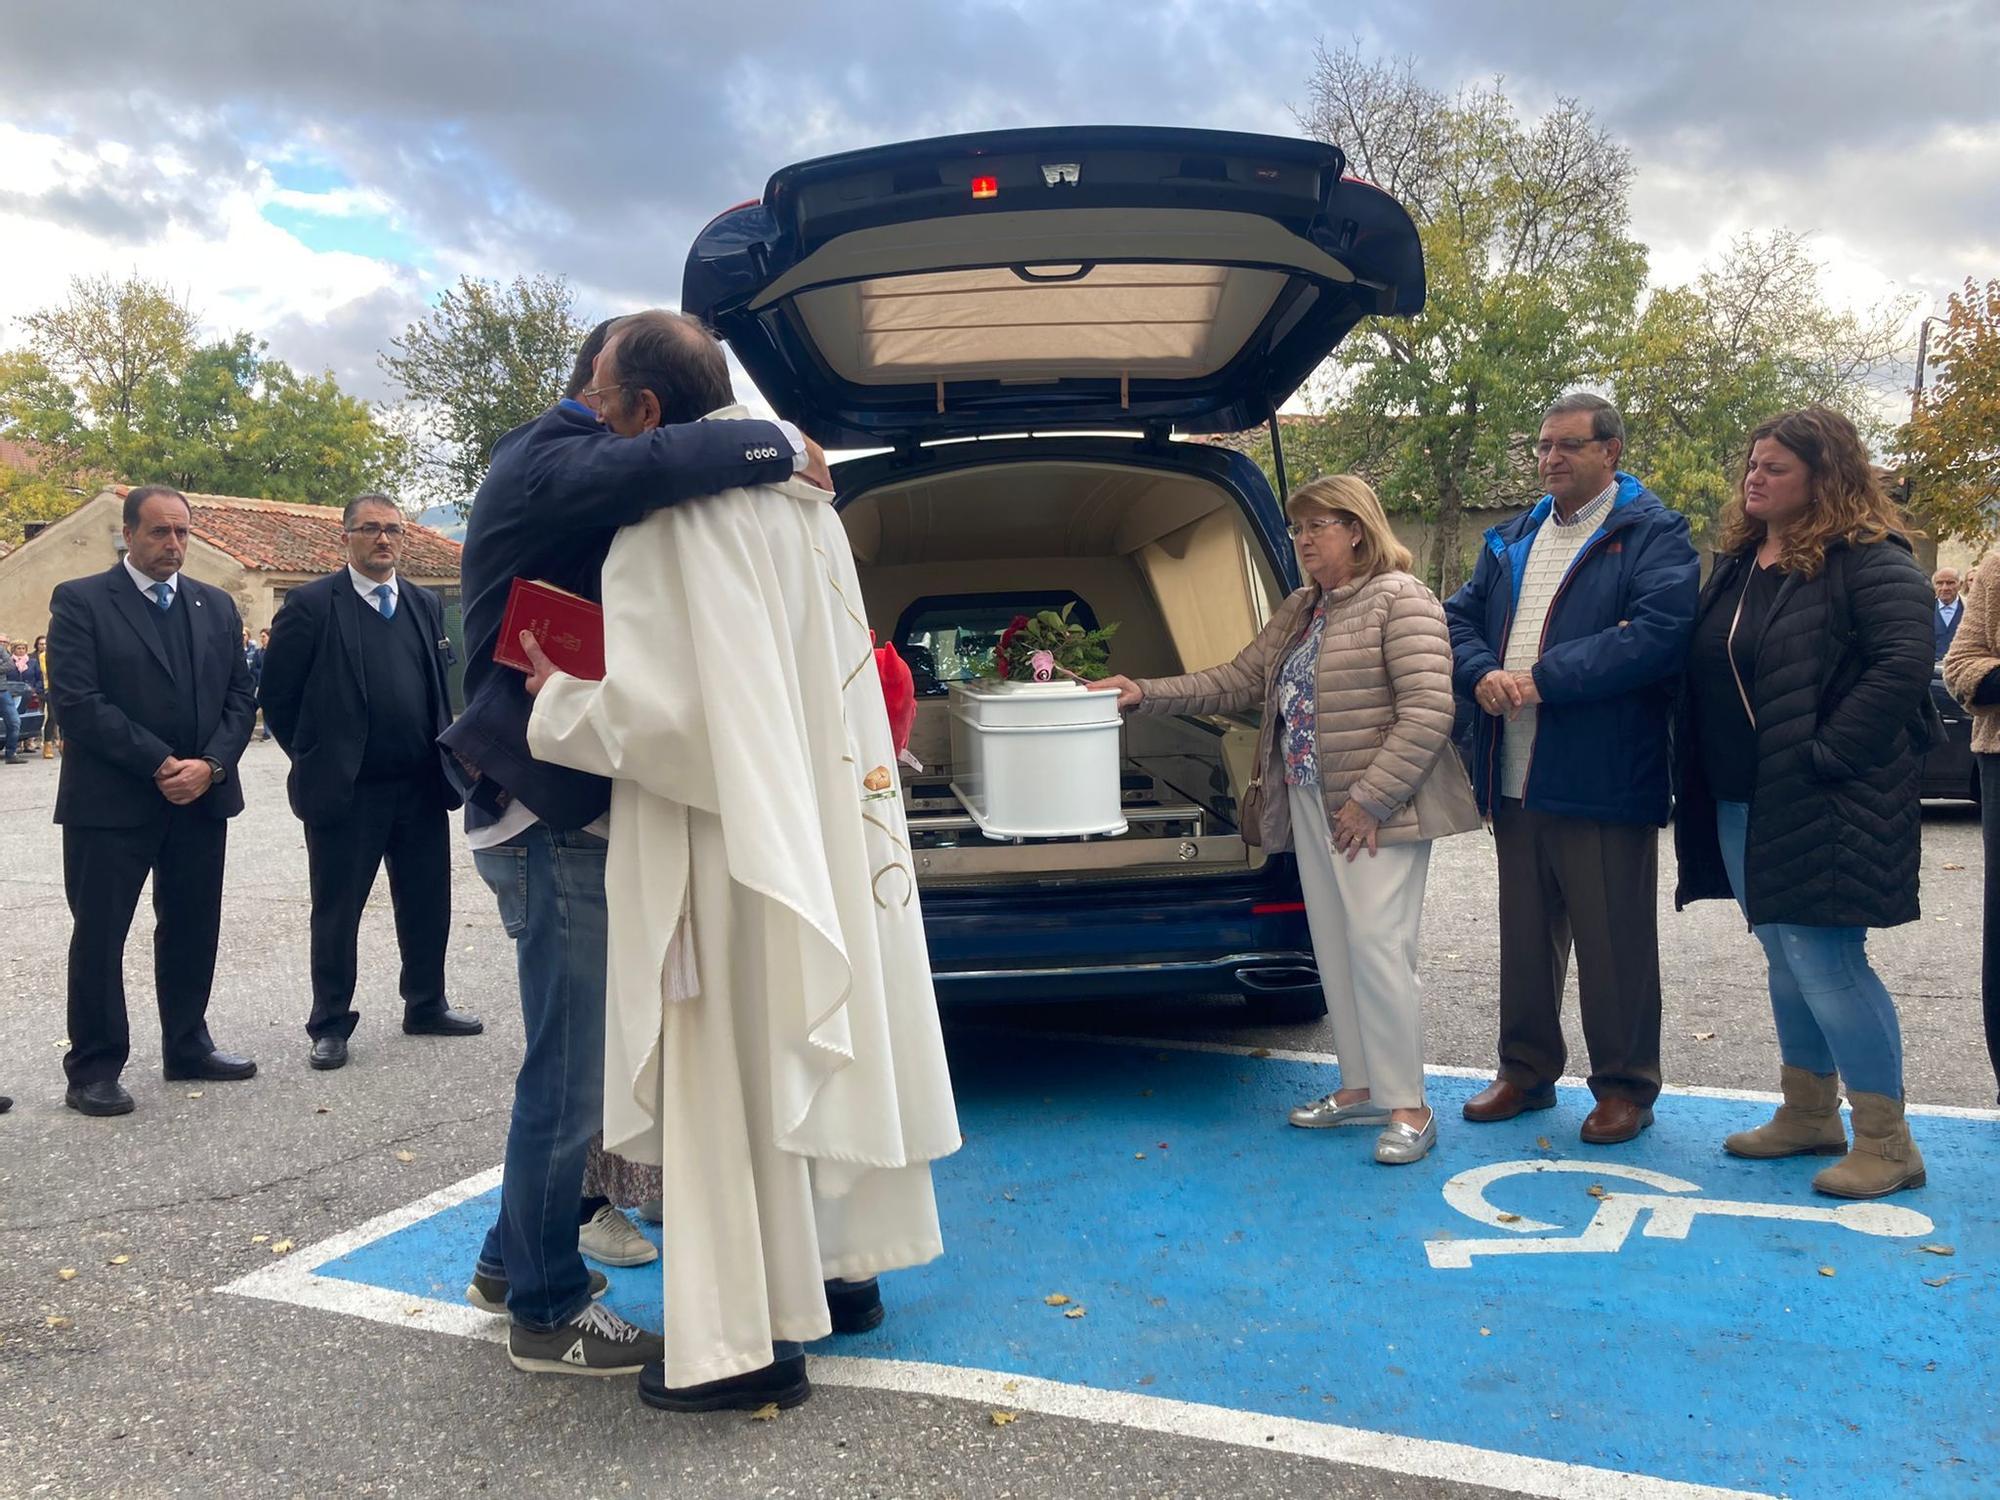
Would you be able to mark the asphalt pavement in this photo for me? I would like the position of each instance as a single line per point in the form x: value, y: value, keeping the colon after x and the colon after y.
x: 137, y: 1377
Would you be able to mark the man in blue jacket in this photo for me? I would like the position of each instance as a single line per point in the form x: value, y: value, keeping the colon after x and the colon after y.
x: 557, y: 492
x: 1570, y: 636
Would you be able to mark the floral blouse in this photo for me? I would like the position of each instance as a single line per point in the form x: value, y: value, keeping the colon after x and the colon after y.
x: 1298, y: 702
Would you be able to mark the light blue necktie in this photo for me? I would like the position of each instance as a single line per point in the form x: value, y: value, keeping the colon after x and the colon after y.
x: 385, y: 601
x: 163, y: 595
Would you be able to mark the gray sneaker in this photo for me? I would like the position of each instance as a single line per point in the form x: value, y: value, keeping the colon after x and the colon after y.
x: 594, y: 1342
x: 611, y: 1239
x: 489, y: 1293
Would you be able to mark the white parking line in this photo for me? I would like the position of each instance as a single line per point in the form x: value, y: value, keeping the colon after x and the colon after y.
x: 295, y: 1280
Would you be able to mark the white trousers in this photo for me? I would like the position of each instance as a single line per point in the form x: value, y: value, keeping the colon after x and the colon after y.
x: 1364, y: 917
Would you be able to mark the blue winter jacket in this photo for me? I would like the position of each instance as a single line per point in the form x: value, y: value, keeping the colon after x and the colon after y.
x: 1614, y: 643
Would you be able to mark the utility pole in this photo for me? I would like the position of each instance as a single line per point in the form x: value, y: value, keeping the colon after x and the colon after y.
x: 1923, y: 351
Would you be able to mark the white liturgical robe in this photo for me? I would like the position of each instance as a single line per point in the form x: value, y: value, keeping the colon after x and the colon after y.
x: 771, y: 1034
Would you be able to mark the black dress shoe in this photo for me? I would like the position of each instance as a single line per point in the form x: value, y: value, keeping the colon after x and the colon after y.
x: 447, y: 1022
x: 105, y: 1097
x: 216, y: 1067
x: 5, y: 1104
x: 855, y: 1309
x: 781, y: 1383
x: 328, y: 1053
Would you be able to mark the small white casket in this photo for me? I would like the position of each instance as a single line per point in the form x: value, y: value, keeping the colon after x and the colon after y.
x: 1036, y: 759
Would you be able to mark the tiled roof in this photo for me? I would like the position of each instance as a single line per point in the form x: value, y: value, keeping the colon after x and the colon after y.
x: 272, y: 536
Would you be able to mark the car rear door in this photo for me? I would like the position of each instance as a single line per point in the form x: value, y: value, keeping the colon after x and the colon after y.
x: 1080, y: 278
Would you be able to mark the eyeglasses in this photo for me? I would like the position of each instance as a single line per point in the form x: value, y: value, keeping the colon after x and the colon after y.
x: 1569, y: 447
x: 1313, y: 527
x: 376, y: 528
x: 591, y: 397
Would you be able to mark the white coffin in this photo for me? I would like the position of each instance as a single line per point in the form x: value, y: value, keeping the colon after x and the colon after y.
x: 1036, y: 759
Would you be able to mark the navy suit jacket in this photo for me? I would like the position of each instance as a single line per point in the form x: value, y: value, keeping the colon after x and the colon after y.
x: 119, y: 703
x: 556, y: 493
x: 1941, y: 634
x: 315, y: 694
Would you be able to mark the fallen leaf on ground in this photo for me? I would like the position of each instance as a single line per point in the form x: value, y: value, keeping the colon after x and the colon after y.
x: 281, y: 1247
x: 1937, y: 1249
x: 406, y: 1156
x: 768, y: 1412
x: 1164, y: 1146
x: 1074, y: 1312
x: 1138, y: 1156
x: 1486, y: 1333
x: 321, y: 1109
x: 1704, y: 1036
x: 1826, y: 1270
x: 259, y: 1239
x: 1011, y: 1386
x: 1940, y: 1280
x: 1596, y: 1190
x: 56, y: 1320
x: 121, y: 1260
x: 1542, y: 1143
x: 1954, y: 867
x: 413, y: 1312
x: 1260, y: 1051
x: 1510, y: 1218
x: 1002, y: 1418
x: 67, y: 1273
x: 1056, y: 1299
x: 194, y: 1093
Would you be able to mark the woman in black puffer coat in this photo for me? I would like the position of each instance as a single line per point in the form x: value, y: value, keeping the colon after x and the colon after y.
x: 1802, y: 727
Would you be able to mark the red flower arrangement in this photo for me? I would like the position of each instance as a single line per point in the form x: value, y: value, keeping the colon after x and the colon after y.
x: 1014, y: 627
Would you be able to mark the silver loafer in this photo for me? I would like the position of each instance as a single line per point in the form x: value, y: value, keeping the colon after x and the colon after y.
x: 1324, y: 1114
x: 1398, y: 1145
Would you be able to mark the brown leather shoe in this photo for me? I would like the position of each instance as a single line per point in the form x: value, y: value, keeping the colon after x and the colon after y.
x: 1501, y: 1100
x: 1614, y: 1120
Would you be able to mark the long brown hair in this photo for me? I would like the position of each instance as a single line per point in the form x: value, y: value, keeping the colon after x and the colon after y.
x: 1845, y: 497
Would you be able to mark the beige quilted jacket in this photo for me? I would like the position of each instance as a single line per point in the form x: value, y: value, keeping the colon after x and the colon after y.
x: 1383, y: 733
x: 1975, y: 651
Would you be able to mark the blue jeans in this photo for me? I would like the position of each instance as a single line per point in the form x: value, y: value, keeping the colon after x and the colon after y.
x: 550, y: 887
x: 1833, y: 1013
x: 10, y: 710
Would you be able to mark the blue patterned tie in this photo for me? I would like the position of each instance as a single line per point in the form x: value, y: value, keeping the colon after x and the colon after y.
x: 163, y: 596
x: 385, y: 600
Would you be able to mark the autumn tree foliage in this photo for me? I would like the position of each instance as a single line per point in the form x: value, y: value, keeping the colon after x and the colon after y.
x: 1951, y: 447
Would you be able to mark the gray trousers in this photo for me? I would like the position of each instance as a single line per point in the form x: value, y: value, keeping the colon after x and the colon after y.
x: 1575, y: 882
x: 1364, y: 915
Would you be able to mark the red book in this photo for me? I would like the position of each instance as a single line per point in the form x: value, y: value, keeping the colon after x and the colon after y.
x: 567, y: 626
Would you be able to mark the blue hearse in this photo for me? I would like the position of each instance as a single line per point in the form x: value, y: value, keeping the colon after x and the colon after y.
x: 1026, y: 324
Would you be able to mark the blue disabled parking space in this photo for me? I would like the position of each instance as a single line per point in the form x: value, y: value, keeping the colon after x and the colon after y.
x: 1138, y: 1219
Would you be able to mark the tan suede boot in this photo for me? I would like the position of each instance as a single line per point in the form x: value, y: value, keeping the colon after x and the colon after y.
x: 1806, y: 1124
x: 1884, y: 1159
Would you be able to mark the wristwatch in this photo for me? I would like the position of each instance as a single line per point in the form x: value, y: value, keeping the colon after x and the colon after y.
x: 217, y: 771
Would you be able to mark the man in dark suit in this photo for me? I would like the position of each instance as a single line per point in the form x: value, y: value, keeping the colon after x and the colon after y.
x: 156, y: 706
x: 557, y: 492
x: 1950, y: 610
x: 354, y: 689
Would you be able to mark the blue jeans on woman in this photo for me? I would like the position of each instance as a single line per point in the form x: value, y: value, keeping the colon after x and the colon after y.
x: 1833, y: 1013
x: 550, y: 886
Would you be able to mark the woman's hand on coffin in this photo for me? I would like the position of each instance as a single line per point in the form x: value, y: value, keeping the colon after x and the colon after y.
x: 544, y: 668
x: 1129, y: 692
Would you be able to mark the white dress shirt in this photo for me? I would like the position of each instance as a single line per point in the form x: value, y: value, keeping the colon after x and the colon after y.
x: 366, y: 586
x: 147, y: 585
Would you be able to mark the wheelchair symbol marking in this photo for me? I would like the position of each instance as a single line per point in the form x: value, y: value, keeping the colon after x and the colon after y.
x: 1619, y: 1212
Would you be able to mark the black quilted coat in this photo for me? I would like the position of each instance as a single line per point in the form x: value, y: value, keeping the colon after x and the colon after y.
x: 1843, y: 712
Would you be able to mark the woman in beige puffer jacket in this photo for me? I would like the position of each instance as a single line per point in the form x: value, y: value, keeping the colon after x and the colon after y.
x: 1357, y: 773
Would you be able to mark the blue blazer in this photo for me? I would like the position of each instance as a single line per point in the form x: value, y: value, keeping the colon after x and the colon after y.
x: 556, y: 493
x: 1942, y: 633
x: 1614, y: 643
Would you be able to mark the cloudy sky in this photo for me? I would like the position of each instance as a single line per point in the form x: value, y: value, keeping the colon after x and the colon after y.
x: 315, y: 174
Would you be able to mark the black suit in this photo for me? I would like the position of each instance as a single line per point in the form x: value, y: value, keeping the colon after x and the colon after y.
x: 139, y: 685
x: 362, y: 806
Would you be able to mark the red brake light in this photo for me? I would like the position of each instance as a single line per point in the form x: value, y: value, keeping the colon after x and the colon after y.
x: 985, y: 187
x: 1276, y: 908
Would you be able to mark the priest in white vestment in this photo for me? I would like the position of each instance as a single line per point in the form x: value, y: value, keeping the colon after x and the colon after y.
x: 771, y: 1035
